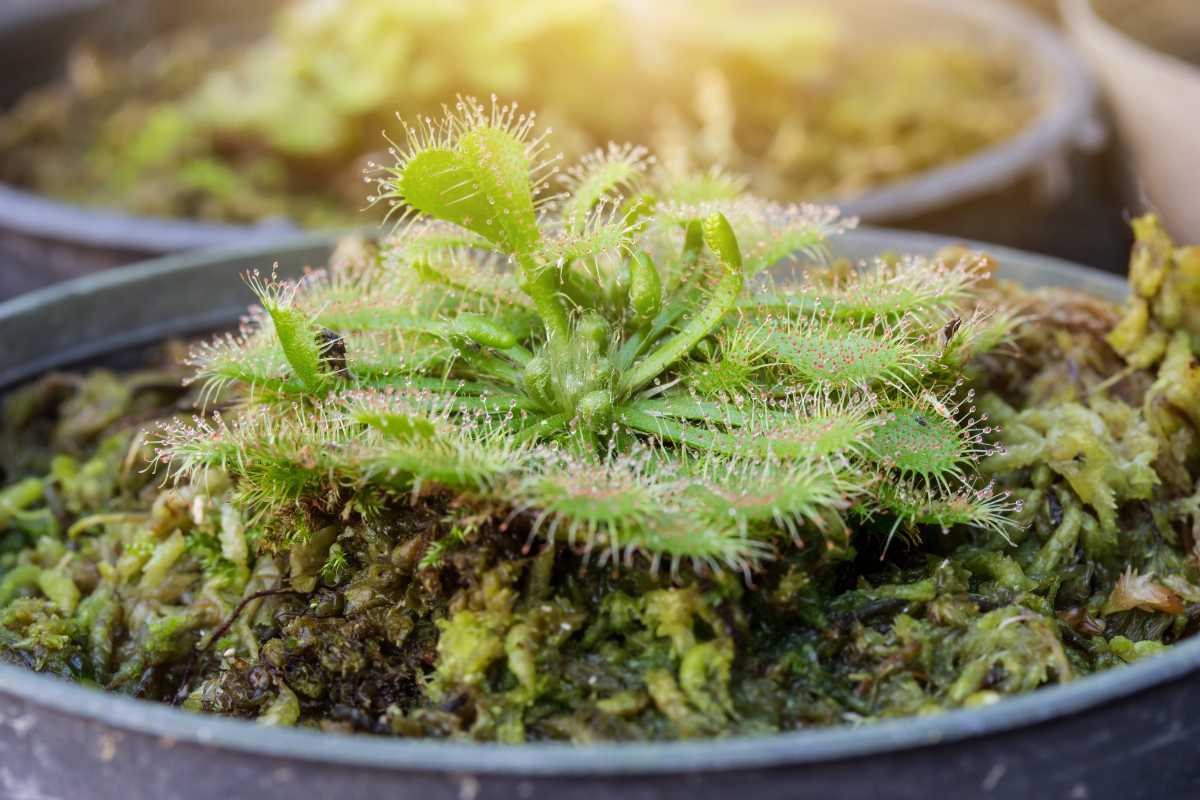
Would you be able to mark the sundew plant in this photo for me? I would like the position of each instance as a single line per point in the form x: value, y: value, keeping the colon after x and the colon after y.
x: 609, y: 355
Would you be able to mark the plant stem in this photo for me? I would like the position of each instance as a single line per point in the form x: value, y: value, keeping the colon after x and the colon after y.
x: 493, y: 403
x: 687, y: 408
x: 700, y: 438
x: 493, y: 367
x: 541, y: 284
x: 723, y: 300
x: 707, y: 439
x: 640, y: 340
x: 542, y: 427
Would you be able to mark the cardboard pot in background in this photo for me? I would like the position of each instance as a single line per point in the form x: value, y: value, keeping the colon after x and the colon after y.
x: 1154, y: 94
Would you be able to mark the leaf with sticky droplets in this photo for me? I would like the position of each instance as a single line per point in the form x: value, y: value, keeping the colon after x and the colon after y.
x: 399, y: 426
x: 299, y: 337
x: 916, y: 442
x: 484, y: 188
x: 758, y: 496
x: 932, y: 439
x: 499, y: 165
x: 441, y: 184
x: 693, y: 187
x: 845, y: 356
x: 911, y: 504
x: 624, y: 506
x: 473, y: 170
x: 601, y: 176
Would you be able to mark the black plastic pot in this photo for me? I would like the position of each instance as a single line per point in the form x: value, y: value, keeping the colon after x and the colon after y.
x: 1130, y: 733
x: 1037, y: 190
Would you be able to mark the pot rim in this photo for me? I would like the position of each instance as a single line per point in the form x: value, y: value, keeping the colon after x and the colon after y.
x: 544, y: 759
x: 559, y: 759
x: 32, y: 12
x: 1082, y: 14
x: 1065, y: 119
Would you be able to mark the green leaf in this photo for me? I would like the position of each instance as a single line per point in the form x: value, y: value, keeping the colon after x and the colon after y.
x: 720, y: 238
x: 483, y: 331
x: 299, y: 337
x: 722, y: 241
x: 600, y: 176
x: 645, y: 287
x: 844, y: 356
x: 919, y: 442
x: 404, y: 427
x: 497, y: 162
x: 440, y: 183
x: 482, y: 186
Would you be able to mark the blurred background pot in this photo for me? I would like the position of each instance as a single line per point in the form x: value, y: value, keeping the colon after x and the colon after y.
x: 43, y: 241
x: 1042, y: 189
x: 1128, y: 733
x: 1146, y: 55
